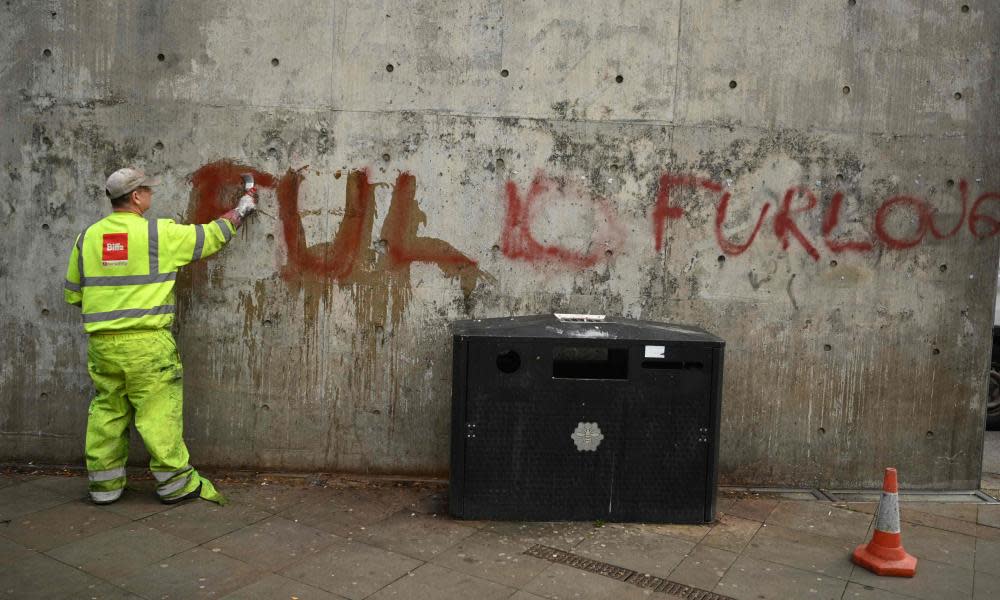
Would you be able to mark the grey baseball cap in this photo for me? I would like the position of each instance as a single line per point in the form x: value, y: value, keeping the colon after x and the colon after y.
x: 126, y: 180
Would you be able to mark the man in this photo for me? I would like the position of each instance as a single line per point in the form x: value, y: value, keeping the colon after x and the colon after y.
x: 121, y: 273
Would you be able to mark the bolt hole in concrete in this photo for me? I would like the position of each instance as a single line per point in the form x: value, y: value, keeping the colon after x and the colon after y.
x: 609, y: 253
x: 267, y: 322
x: 615, y: 168
x: 270, y: 237
x: 833, y: 263
x: 732, y: 85
x: 821, y: 431
x: 943, y: 268
x: 265, y: 407
x: 272, y: 153
x: 840, y: 176
x: 504, y: 72
x: 45, y: 226
x: 46, y: 53
x: 47, y: 141
x: 45, y: 312
x: 965, y: 8
x: 851, y: 2
x: 827, y: 347
x: 388, y: 68
x: 44, y: 396
x: 275, y: 62
x: 936, y: 351
x: 495, y: 248
x: 930, y: 434
x: 386, y: 157
x: 721, y: 259
x: 619, y: 79
x: 958, y: 96
x: 158, y: 145
x: 728, y: 173
x: 161, y: 57
x: 500, y: 163
x: 950, y: 183
x: 846, y: 90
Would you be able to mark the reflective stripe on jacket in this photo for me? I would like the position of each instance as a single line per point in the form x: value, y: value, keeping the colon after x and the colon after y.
x: 122, y: 268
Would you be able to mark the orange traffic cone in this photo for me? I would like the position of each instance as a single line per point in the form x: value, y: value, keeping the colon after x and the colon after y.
x: 884, y: 555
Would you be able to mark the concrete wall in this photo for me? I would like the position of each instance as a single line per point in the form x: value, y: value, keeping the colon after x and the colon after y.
x: 813, y: 181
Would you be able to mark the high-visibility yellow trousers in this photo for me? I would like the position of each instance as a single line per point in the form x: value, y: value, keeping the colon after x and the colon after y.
x: 139, y: 374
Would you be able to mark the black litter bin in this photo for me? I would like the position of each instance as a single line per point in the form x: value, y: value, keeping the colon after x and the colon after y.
x: 582, y: 417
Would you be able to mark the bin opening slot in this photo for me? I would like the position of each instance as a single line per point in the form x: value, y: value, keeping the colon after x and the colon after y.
x: 672, y: 365
x: 589, y: 362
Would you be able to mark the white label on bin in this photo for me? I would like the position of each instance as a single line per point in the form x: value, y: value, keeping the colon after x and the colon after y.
x: 656, y: 351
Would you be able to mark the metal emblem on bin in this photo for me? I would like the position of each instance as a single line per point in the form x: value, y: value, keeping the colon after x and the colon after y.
x: 587, y: 437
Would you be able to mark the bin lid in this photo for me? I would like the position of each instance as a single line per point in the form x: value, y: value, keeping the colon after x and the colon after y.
x: 596, y: 327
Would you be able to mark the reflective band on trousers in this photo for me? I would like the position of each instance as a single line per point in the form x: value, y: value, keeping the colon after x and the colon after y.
x: 106, y: 475
x: 165, y: 475
x: 106, y: 496
x: 170, y: 488
x: 199, y: 242
x: 126, y: 280
x: 165, y: 309
x: 224, y: 228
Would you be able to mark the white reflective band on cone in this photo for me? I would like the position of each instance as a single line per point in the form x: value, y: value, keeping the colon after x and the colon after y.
x: 107, y: 475
x: 165, y: 475
x: 888, y: 513
x: 170, y: 488
x: 106, y: 496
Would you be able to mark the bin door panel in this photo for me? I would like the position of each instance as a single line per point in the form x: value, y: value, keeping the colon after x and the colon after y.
x: 665, y: 440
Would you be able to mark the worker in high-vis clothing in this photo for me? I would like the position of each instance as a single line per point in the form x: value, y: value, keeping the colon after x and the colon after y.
x: 121, y: 274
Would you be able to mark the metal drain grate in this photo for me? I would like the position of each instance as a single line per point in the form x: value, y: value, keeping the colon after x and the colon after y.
x: 650, y: 582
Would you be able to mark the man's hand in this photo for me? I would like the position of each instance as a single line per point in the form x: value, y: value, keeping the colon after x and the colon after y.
x: 248, y: 202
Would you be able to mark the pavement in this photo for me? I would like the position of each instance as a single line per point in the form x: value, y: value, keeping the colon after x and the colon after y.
x: 323, y: 537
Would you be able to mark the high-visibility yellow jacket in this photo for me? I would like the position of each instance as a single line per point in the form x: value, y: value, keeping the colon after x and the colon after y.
x: 122, y: 269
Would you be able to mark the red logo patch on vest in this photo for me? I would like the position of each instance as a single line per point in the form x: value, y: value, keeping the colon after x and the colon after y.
x: 114, y: 249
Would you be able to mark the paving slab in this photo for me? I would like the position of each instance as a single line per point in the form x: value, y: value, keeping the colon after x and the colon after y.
x: 42, y: 577
x: 351, y: 569
x: 344, y: 512
x: 704, y: 567
x: 266, y: 496
x: 59, y: 525
x: 856, y: 591
x: 989, y: 515
x: 731, y: 533
x: 273, y: 543
x: 561, y: 581
x: 641, y: 551
x: 523, y: 595
x: 559, y: 534
x: 435, y: 581
x: 822, y: 518
x: 752, y: 579
x: 417, y: 535
x: 12, y: 551
x: 963, y: 511
x: 118, y: 552
x: 754, y: 509
x: 195, y: 573
x: 986, y: 587
x: 71, y: 486
x: 493, y: 557
x: 937, y: 521
x: 988, y: 556
x: 201, y: 522
x: 940, y: 546
x: 803, y: 550
x: 275, y: 586
x: 23, y: 498
x: 934, y: 581
x: 690, y: 533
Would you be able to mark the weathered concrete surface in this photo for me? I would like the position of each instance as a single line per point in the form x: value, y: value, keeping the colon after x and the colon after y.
x: 514, y: 174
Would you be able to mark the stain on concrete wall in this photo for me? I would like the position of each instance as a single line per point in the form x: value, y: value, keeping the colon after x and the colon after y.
x: 811, y: 182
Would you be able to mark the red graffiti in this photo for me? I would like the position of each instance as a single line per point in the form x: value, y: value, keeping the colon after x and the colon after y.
x: 975, y: 218
x: 784, y: 223
x: 830, y: 222
x: 517, y: 241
